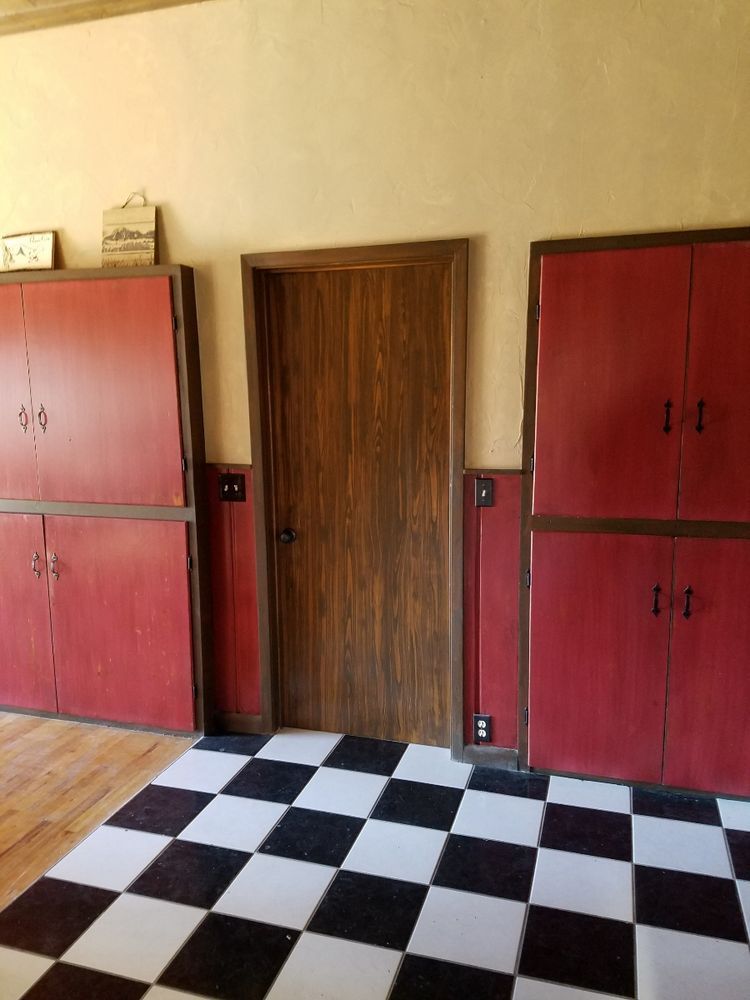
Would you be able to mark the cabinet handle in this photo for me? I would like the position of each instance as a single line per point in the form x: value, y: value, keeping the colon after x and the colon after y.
x: 667, y: 424
x: 34, y: 561
x: 23, y: 418
x: 53, y: 566
x: 699, y: 425
x: 42, y: 417
x: 686, y: 611
x: 656, y: 590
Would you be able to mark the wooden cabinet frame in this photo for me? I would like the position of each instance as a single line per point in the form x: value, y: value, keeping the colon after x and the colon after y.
x: 194, y: 513
x: 539, y: 523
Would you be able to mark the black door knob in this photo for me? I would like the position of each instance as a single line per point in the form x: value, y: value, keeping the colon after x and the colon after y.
x: 287, y: 536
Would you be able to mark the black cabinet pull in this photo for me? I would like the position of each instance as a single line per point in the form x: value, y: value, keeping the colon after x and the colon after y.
x: 699, y: 425
x: 688, y: 592
x: 656, y: 590
x: 667, y: 414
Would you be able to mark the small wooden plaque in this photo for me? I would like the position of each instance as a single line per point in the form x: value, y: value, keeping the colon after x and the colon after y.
x: 27, y: 252
x: 129, y: 236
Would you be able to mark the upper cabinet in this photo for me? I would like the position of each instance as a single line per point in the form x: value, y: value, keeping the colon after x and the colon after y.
x: 17, y: 462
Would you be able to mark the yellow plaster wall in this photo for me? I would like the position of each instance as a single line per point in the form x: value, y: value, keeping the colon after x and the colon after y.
x: 281, y: 124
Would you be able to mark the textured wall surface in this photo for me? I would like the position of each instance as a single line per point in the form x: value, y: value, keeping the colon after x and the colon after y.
x: 284, y: 124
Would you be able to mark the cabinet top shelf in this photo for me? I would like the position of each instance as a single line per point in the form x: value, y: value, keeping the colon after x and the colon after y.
x: 93, y: 273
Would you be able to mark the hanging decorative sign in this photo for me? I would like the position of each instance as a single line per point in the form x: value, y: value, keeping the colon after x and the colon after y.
x: 129, y: 235
x: 27, y: 252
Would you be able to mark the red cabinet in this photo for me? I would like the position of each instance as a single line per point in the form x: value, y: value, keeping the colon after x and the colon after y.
x: 27, y: 676
x: 17, y: 459
x: 598, y: 673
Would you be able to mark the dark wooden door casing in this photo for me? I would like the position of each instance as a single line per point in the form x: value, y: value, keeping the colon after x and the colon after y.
x: 443, y: 265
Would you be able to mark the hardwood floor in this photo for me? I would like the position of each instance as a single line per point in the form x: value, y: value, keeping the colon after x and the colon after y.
x: 59, y: 780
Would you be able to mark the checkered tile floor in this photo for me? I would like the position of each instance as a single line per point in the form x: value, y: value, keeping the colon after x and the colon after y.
x: 309, y: 865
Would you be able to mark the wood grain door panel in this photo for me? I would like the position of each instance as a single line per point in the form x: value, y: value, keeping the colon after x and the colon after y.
x: 708, y: 736
x: 102, y: 360
x: 612, y: 341
x: 18, y: 480
x: 359, y: 412
x: 121, y: 620
x: 598, y: 663
x: 27, y: 676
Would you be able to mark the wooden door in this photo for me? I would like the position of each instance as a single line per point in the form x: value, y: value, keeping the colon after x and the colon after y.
x: 715, y: 483
x: 708, y: 736
x: 17, y: 459
x: 104, y: 380
x: 121, y: 619
x: 612, y: 336
x: 27, y: 675
x: 598, y: 653
x: 362, y: 437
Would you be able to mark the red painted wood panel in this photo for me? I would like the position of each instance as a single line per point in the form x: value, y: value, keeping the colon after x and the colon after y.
x: 471, y: 608
x: 598, y: 661
x: 234, y: 596
x: 708, y: 736
x: 17, y: 459
x: 715, y: 483
x: 612, y: 340
x: 102, y: 361
x: 121, y: 620
x: 27, y: 676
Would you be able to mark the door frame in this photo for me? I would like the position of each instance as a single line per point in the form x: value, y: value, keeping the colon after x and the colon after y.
x: 255, y: 268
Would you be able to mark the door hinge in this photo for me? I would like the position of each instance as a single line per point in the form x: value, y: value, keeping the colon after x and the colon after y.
x: 174, y: 324
x: 539, y: 310
x: 195, y: 692
x: 184, y: 464
x: 531, y: 463
x: 190, y: 562
x: 526, y: 716
x: 528, y: 579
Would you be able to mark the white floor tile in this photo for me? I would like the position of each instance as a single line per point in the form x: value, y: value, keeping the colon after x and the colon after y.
x: 533, y: 989
x: 329, y: 968
x: 469, y: 929
x: 202, y: 770
x: 136, y: 936
x: 110, y: 858
x: 683, y: 847
x: 276, y: 890
x: 350, y: 793
x: 735, y: 815
x: 432, y: 765
x: 675, y: 966
x: 499, y: 817
x: 19, y: 971
x: 162, y: 993
x: 234, y: 822
x: 299, y: 746
x: 598, y: 886
x: 395, y: 850
x: 589, y: 794
x: 744, y: 890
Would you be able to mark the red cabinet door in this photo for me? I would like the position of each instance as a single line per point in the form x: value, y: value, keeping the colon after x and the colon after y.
x: 17, y: 460
x: 121, y: 619
x: 708, y: 716
x: 598, y: 655
x: 715, y: 482
x: 103, y: 375
x: 27, y: 676
x: 612, y: 338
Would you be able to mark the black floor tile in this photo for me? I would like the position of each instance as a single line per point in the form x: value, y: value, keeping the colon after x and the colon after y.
x: 588, y: 831
x: 579, y: 950
x: 229, y: 958
x: 51, y: 915
x: 429, y: 979
x: 273, y: 780
x: 739, y: 848
x: 673, y: 805
x: 494, y: 779
x: 419, y: 804
x: 309, y: 835
x: 682, y: 901
x: 193, y: 874
x: 239, y: 743
x: 356, y: 753
x: 158, y: 809
x: 367, y: 908
x: 487, y: 866
x: 70, y: 982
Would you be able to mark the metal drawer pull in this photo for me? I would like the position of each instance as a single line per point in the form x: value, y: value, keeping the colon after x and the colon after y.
x: 686, y: 611
x: 42, y: 417
x: 53, y: 566
x: 699, y: 426
x: 656, y: 590
x: 23, y: 418
x: 34, y: 561
x: 667, y: 408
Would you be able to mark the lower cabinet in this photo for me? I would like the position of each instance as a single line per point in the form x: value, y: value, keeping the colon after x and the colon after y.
x: 114, y: 594
x: 633, y: 682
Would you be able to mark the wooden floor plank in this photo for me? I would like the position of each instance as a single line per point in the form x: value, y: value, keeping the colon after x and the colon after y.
x: 59, y: 780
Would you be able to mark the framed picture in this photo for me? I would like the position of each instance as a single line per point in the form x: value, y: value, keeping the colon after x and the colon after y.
x: 27, y: 252
x: 129, y: 236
